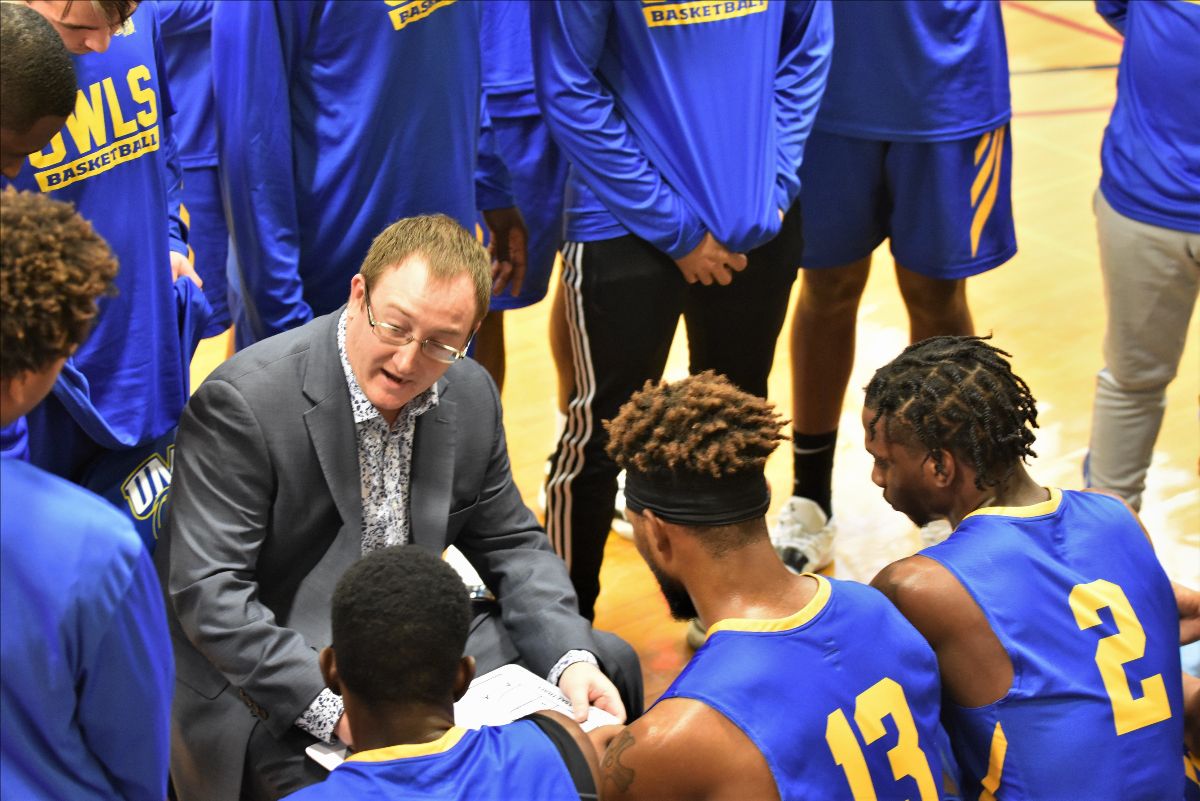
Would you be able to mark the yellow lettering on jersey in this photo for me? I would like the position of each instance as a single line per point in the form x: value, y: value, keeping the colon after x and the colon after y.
x: 699, y: 11
x: 1115, y: 650
x: 118, y: 152
x: 410, y: 11
x: 89, y: 133
x: 143, y: 94
x: 999, y: 750
x: 1191, y: 762
x: 121, y: 126
x: 886, y: 699
x: 86, y: 123
x: 58, y: 151
x: 849, y: 756
x: 883, y: 699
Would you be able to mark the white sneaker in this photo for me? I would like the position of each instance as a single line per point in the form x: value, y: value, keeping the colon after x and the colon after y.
x: 935, y: 531
x: 620, y: 523
x: 803, y: 535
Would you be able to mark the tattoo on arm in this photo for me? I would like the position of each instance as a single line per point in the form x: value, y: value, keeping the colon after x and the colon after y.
x: 621, y: 775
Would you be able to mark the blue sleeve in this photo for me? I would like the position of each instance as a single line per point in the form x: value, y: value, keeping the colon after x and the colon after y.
x: 125, y: 691
x: 184, y: 16
x: 253, y: 53
x: 804, y: 57
x: 173, y: 177
x: 568, y: 38
x: 493, y: 185
x: 1114, y: 13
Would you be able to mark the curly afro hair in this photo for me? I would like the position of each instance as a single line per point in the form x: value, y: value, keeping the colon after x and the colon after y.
x: 702, y: 425
x: 53, y: 266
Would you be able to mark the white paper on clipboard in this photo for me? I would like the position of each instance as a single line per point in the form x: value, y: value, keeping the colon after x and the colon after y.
x: 501, y: 696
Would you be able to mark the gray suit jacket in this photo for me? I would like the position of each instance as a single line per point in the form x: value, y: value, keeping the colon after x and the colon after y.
x: 266, y: 515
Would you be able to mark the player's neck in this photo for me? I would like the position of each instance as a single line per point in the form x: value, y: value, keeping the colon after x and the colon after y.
x: 749, y: 583
x: 381, y: 725
x: 1019, y: 490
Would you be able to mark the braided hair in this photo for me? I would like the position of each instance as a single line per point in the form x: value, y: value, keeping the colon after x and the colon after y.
x: 958, y: 394
x: 702, y: 424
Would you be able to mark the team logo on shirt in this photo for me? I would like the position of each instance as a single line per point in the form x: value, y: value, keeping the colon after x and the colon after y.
x: 105, y: 130
x: 407, y: 12
x: 670, y: 12
x: 146, y: 487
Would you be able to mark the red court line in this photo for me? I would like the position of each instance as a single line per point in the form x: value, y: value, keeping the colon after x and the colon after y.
x: 1064, y: 21
x: 1054, y: 112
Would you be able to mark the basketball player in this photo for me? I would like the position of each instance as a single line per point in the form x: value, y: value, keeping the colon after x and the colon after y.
x: 1055, y: 627
x: 681, y: 203
x: 400, y: 619
x: 912, y: 145
x: 37, y: 84
x: 85, y: 658
x: 806, y: 687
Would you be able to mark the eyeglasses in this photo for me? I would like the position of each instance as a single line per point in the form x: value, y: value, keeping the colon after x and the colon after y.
x: 392, y: 335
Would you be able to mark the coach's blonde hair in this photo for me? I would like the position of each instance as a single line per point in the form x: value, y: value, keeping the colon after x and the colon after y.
x: 444, y: 244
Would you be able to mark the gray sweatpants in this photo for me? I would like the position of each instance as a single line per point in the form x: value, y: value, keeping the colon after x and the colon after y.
x: 1151, y: 278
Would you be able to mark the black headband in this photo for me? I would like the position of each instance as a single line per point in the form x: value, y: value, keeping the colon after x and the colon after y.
x: 692, y: 500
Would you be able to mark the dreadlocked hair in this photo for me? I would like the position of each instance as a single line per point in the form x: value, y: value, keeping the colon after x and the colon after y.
x: 702, y: 424
x: 957, y: 394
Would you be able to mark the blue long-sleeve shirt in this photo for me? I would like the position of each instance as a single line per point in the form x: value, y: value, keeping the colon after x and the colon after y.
x: 334, y: 120
x: 187, y: 31
x: 680, y: 121
x: 1151, y: 151
x: 116, y: 161
x: 86, y: 672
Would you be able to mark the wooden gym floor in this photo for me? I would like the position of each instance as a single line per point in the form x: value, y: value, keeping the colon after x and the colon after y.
x: 1045, y: 307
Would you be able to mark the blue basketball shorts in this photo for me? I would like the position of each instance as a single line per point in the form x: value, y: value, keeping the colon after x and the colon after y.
x: 946, y: 207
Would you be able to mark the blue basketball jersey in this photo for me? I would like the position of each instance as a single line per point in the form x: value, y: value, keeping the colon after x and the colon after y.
x: 1074, y: 592
x: 495, y: 763
x: 916, y: 70
x: 841, y: 698
x: 115, y: 160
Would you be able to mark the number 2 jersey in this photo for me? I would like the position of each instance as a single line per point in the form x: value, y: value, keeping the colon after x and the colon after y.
x: 809, y: 689
x: 1074, y: 592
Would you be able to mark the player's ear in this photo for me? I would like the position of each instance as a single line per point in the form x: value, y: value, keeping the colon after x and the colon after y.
x: 328, y: 663
x: 464, y: 676
x: 941, y: 472
x: 658, y: 538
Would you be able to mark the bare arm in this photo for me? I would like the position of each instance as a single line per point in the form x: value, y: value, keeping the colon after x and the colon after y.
x: 975, y: 668
x: 682, y: 749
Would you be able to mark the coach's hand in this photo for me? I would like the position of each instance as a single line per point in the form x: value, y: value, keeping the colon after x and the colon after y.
x: 710, y: 261
x: 584, y: 685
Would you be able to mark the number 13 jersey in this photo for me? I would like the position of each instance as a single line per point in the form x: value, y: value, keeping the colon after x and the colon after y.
x: 841, y: 698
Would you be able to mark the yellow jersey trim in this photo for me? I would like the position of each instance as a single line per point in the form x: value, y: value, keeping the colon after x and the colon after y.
x: 1036, y: 510
x: 439, y: 746
x: 807, y: 613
